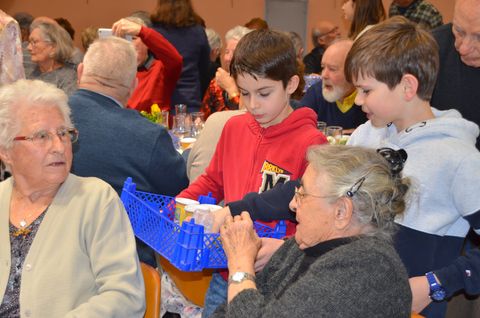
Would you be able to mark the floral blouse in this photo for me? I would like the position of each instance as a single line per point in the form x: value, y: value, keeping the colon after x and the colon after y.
x: 20, y: 245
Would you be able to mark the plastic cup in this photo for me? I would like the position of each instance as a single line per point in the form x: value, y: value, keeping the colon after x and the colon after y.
x: 180, y: 204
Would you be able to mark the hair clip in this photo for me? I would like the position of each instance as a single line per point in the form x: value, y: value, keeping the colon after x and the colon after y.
x: 396, y: 158
x: 356, y: 186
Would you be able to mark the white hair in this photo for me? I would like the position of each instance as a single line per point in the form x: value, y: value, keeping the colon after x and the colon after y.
x: 214, y: 39
x: 237, y: 33
x: 112, y: 62
x: 27, y: 94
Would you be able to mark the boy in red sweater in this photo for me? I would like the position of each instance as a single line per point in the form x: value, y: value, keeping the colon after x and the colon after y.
x: 265, y: 146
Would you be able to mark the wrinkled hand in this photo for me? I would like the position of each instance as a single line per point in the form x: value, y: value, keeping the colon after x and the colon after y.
x: 125, y: 27
x: 268, y: 248
x: 420, y: 293
x: 239, y: 240
x: 226, y: 82
x: 219, y: 218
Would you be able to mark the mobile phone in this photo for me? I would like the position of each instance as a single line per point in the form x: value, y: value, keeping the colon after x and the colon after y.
x: 104, y: 33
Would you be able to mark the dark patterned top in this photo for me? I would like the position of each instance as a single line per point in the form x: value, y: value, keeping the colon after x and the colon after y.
x: 420, y: 12
x: 216, y: 100
x: 20, y: 245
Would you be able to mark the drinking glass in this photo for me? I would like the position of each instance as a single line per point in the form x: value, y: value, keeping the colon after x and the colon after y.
x: 163, y: 118
x: 197, y: 123
x: 321, y: 125
x: 334, y: 134
x: 180, y: 109
x: 182, y: 125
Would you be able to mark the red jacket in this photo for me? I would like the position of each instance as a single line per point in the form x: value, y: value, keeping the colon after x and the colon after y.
x: 249, y: 158
x: 156, y: 79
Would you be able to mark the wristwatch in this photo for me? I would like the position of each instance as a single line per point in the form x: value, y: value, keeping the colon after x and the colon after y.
x: 239, y: 277
x: 437, y: 292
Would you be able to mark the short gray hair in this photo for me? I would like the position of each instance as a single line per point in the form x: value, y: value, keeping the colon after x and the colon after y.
x: 136, y: 20
x: 112, y: 61
x: 59, y: 37
x: 214, y: 39
x: 379, y: 195
x: 236, y: 33
x: 27, y: 94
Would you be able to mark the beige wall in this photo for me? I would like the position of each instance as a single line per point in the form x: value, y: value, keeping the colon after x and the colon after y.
x: 220, y: 15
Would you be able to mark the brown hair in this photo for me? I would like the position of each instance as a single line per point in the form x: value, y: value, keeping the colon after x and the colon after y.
x: 176, y: 13
x: 257, y: 24
x: 366, y: 12
x: 392, y: 49
x: 265, y: 53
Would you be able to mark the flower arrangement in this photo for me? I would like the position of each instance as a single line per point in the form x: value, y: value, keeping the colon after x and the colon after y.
x: 155, y: 115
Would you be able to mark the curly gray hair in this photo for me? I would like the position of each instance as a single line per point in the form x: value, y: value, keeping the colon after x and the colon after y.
x: 377, y: 193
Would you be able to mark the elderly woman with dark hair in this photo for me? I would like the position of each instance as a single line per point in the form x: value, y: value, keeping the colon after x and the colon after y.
x: 341, y: 262
x: 51, y: 49
x: 66, y: 245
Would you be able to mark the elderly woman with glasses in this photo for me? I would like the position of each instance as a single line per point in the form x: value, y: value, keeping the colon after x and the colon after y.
x: 341, y: 262
x: 66, y: 245
x: 51, y: 48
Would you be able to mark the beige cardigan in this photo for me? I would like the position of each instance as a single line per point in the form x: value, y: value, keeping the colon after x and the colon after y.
x: 82, y: 262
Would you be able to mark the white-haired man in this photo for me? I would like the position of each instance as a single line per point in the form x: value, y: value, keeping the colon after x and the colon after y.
x: 459, y: 74
x: 116, y: 143
x: 333, y: 97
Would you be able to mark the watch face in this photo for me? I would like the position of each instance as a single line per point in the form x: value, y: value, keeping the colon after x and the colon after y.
x: 238, y: 276
x: 438, y: 295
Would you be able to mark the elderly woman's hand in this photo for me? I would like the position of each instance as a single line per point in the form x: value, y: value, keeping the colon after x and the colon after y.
x: 240, y: 242
x: 125, y: 27
x: 226, y: 82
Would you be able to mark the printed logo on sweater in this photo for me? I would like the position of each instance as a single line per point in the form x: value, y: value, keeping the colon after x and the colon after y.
x: 271, y: 175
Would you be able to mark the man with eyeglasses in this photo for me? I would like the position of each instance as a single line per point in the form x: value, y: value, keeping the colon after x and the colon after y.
x: 458, y: 79
x: 323, y: 34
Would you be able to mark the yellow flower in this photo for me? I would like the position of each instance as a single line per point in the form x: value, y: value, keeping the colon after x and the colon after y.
x: 154, y: 109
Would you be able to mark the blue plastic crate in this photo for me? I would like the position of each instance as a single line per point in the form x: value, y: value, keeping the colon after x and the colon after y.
x: 187, y: 247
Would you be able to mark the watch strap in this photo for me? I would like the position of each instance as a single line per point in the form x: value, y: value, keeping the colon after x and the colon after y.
x: 239, y: 277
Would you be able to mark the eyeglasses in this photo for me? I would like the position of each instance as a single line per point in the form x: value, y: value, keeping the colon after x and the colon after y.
x: 34, y: 43
x: 300, y: 195
x: 334, y: 30
x: 43, y: 137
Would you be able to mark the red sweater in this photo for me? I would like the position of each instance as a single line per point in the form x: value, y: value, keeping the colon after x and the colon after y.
x: 157, y: 79
x: 249, y: 158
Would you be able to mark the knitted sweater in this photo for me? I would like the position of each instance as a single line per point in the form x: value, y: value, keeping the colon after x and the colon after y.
x: 363, y: 278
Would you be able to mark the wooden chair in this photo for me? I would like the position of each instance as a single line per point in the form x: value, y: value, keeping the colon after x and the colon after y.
x: 152, y: 291
x: 193, y: 285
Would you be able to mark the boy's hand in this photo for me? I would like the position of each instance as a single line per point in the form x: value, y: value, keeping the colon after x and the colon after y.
x: 420, y: 293
x: 219, y: 218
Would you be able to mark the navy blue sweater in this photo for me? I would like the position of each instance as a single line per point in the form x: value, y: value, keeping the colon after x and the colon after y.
x: 329, y: 112
x: 192, y: 44
x: 116, y: 143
